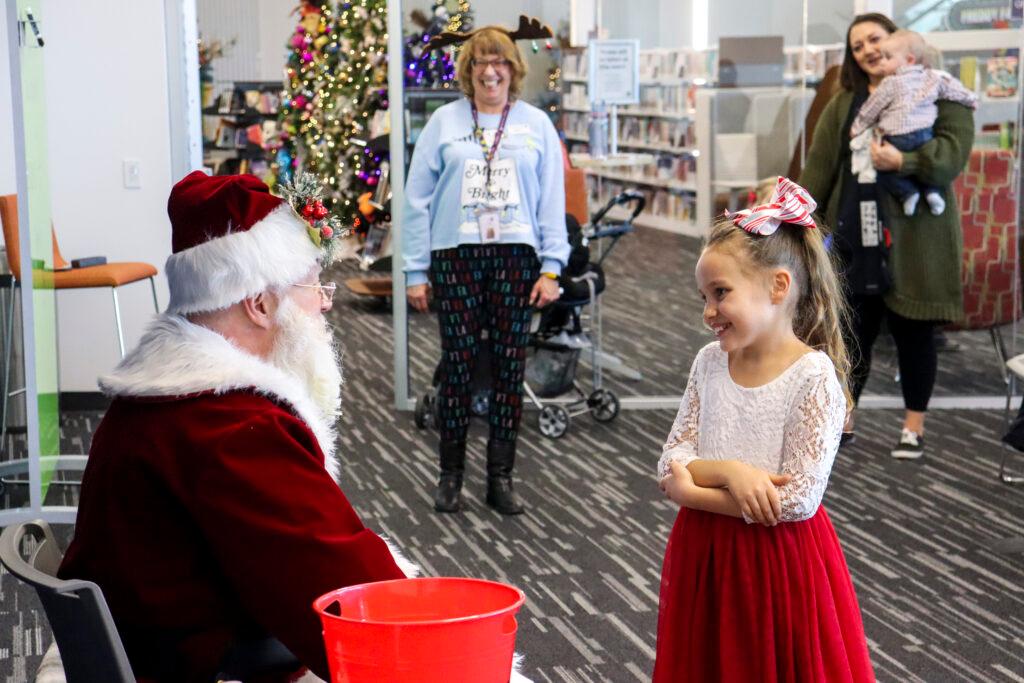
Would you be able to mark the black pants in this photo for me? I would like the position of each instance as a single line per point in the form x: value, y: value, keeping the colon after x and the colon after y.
x: 904, y: 186
x: 476, y: 287
x: 915, y: 349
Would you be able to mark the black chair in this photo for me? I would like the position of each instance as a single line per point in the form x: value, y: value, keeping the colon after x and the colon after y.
x: 89, y: 644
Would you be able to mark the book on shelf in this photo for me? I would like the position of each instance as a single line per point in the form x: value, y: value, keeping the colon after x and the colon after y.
x: 1001, y: 76
x: 968, y: 72
x: 574, y: 64
x: 576, y: 96
x: 662, y: 203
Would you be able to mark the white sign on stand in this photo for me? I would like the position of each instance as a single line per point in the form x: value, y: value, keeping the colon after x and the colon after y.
x: 614, y: 79
x: 614, y: 74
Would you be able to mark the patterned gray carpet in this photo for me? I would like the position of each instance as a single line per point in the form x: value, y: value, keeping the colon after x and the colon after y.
x: 941, y: 589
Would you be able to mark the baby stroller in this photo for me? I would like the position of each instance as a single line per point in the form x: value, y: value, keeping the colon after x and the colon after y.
x: 560, y: 339
x: 557, y: 337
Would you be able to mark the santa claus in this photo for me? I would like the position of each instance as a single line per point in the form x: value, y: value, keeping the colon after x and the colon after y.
x: 210, y: 514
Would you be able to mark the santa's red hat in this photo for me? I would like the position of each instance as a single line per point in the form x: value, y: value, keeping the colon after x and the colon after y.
x: 232, y: 239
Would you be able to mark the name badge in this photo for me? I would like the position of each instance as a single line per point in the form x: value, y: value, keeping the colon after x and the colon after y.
x: 869, y: 224
x: 490, y: 226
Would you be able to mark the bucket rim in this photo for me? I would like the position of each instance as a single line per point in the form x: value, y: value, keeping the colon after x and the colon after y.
x: 324, y: 600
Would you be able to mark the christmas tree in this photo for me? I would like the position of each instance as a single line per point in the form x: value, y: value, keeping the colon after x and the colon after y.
x: 435, y: 69
x: 335, y: 99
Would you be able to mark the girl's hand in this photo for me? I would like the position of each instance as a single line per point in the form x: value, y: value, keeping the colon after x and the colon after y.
x: 677, y: 485
x: 885, y: 157
x: 417, y: 296
x: 545, y: 290
x: 754, y: 490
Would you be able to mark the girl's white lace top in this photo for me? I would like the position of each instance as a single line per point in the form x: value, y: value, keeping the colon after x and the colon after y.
x: 789, y: 425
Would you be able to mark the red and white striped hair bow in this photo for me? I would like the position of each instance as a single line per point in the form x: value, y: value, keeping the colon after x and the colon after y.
x: 789, y: 203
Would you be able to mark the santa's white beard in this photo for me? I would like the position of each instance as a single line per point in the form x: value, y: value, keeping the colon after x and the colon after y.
x: 305, y: 348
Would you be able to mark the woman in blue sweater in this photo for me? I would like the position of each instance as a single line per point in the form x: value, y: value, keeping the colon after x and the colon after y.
x: 484, y: 227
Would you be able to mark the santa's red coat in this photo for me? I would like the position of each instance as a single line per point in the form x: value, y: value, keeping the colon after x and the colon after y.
x: 210, y: 517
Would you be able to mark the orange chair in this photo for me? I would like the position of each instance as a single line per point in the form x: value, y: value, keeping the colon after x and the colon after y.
x: 112, y: 275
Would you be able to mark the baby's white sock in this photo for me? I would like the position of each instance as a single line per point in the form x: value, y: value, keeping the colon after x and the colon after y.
x: 910, y: 204
x: 936, y: 203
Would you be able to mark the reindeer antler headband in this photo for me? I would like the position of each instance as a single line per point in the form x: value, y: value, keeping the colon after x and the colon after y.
x: 530, y: 28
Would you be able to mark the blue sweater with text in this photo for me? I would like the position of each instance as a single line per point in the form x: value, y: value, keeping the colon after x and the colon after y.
x: 445, y: 190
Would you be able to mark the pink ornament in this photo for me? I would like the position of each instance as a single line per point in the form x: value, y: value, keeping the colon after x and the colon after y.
x: 307, y: 56
x: 297, y: 41
x: 326, y: 232
x: 299, y: 102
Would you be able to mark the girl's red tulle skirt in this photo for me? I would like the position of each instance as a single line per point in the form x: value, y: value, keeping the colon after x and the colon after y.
x: 744, y: 602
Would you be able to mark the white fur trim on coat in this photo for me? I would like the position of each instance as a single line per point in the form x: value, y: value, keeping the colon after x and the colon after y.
x: 178, y: 358
x: 408, y: 567
x: 275, y: 251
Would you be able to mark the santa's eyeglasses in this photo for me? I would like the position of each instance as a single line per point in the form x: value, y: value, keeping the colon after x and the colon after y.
x: 326, y: 290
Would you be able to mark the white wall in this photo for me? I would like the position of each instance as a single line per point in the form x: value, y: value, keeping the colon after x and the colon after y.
x: 106, y: 99
x: 276, y: 23
x: 261, y: 29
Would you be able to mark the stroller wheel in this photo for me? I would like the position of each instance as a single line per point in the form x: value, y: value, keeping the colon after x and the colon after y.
x: 604, y: 405
x: 553, y: 421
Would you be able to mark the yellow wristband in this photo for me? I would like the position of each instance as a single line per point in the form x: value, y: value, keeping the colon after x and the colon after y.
x: 550, y: 276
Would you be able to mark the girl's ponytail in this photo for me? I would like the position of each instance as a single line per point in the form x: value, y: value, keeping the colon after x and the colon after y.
x: 782, y: 233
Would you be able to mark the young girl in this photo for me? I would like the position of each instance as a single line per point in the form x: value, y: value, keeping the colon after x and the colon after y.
x: 754, y: 585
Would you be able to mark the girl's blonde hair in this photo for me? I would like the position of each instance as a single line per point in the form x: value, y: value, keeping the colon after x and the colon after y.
x: 490, y: 41
x: 820, y: 313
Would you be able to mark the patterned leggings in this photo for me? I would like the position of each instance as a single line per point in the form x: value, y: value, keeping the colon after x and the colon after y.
x: 476, y: 286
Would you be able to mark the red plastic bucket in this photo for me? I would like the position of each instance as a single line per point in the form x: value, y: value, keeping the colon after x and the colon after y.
x: 428, y: 630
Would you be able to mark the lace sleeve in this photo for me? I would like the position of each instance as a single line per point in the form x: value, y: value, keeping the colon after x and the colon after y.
x: 810, y: 443
x: 681, y: 445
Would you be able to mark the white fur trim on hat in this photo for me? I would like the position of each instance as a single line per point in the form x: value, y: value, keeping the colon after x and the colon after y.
x: 276, y: 251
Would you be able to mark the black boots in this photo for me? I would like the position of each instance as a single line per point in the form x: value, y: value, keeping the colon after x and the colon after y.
x: 501, y: 458
x: 449, y: 486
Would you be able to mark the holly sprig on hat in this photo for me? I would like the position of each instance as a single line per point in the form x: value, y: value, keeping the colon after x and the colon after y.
x: 305, y: 195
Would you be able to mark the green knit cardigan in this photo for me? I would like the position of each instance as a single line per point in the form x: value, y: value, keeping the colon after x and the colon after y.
x: 926, y: 249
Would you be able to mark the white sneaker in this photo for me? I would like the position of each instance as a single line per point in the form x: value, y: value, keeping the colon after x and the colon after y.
x: 910, y: 204
x: 910, y: 446
x: 563, y: 338
x: 579, y: 341
x: 936, y: 203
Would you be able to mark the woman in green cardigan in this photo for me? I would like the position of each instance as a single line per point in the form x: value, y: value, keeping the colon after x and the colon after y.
x: 904, y: 269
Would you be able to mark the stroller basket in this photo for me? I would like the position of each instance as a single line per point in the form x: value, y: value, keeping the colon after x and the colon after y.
x: 551, y: 369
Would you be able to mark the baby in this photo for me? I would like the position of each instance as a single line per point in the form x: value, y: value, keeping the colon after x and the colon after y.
x: 903, y: 109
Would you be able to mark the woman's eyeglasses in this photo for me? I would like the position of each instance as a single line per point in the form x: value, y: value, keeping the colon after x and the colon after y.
x: 325, y: 289
x: 482, y: 64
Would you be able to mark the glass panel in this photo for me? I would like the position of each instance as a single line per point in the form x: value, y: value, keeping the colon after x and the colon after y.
x: 540, y: 88
x: 32, y: 437
x: 651, y: 311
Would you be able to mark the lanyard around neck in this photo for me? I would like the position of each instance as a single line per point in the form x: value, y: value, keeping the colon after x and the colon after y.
x: 489, y: 152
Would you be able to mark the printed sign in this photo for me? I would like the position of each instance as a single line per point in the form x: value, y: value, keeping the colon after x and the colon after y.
x: 975, y: 14
x: 614, y: 75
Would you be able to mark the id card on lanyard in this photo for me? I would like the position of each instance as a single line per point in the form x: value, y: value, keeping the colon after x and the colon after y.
x: 488, y: 217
